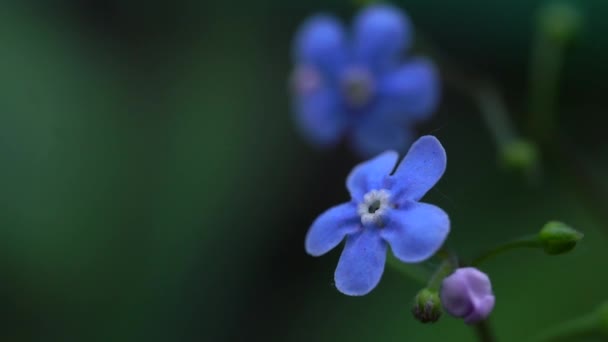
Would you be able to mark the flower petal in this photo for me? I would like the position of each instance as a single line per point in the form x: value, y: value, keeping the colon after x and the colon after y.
x: 374, y: 136
x: 361, y: 264
x: 417, y: 232
x: 482, y: 309
x: 420, y: 170
x: 321, y: 42
x: 328, y: 230
x: 382, y: 33
x: 455, y: 297
x: 370, y: 175
x: 319, y: 116
x: 410, y: 92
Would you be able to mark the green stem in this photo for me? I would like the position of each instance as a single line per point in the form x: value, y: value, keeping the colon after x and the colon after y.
x: 495, y: 115
x: 446, y: 267
x: 411, y: 271
x: 484, y: 331
x: 420, y: 274
x: 525, y: 242
x: 573, y: 330
x: 546, y: 65
x: 492, y: 107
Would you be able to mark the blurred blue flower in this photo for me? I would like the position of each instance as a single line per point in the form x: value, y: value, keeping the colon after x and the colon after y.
x: 384, y: 210
x: 359, y: 88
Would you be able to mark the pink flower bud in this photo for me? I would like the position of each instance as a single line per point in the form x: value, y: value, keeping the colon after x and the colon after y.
x: 467, y: 293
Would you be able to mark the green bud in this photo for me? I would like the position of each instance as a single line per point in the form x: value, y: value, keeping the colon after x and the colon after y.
x: 520, y: 154
x: 558, y: 238
x: 560, y: 22
x: 427, y: 306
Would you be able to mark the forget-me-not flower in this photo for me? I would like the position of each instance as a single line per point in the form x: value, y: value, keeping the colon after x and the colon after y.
x: 384, y: 211
x: 358, y: 87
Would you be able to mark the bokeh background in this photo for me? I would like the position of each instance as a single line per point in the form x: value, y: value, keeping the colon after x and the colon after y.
x: 153, y: 186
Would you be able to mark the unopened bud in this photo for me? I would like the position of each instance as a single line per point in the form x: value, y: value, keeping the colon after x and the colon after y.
x: 558, y: 238
x: 520, y: 154
x: 427, y: 306
x: 467, y: 293
x: 560, y: 22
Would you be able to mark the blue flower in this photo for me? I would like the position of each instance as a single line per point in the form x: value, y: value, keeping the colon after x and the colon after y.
x: 384, y: 211
x: 359, y: 89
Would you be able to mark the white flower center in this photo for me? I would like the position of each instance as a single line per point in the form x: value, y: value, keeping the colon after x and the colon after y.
x: 374, y: 207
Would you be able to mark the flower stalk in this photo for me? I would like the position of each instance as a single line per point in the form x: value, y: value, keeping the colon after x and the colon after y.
x: 411, y: 271
x: 554, y: 238
x: 524, y: 242
x: 484, y: 332
x: 558, y: 25
x: 445, y: 268
x: 514, y: 151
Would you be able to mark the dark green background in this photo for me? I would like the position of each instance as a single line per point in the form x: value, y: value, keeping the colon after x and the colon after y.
x: 153, y: 186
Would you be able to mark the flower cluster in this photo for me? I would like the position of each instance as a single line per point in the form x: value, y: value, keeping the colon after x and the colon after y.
x: 360, y: 89
x: 357, y: 87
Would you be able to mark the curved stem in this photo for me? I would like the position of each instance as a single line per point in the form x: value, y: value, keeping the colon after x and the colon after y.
x: 514, y: 150
x: 446, y: 267
x: 420, y: 274
x: 546, y: 66
x: 411, y: 271
x: 525, y: 242
x: 495, y: 114
x: 486, y: 96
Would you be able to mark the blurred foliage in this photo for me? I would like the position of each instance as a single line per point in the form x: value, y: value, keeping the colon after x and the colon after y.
x: 154, y: 188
